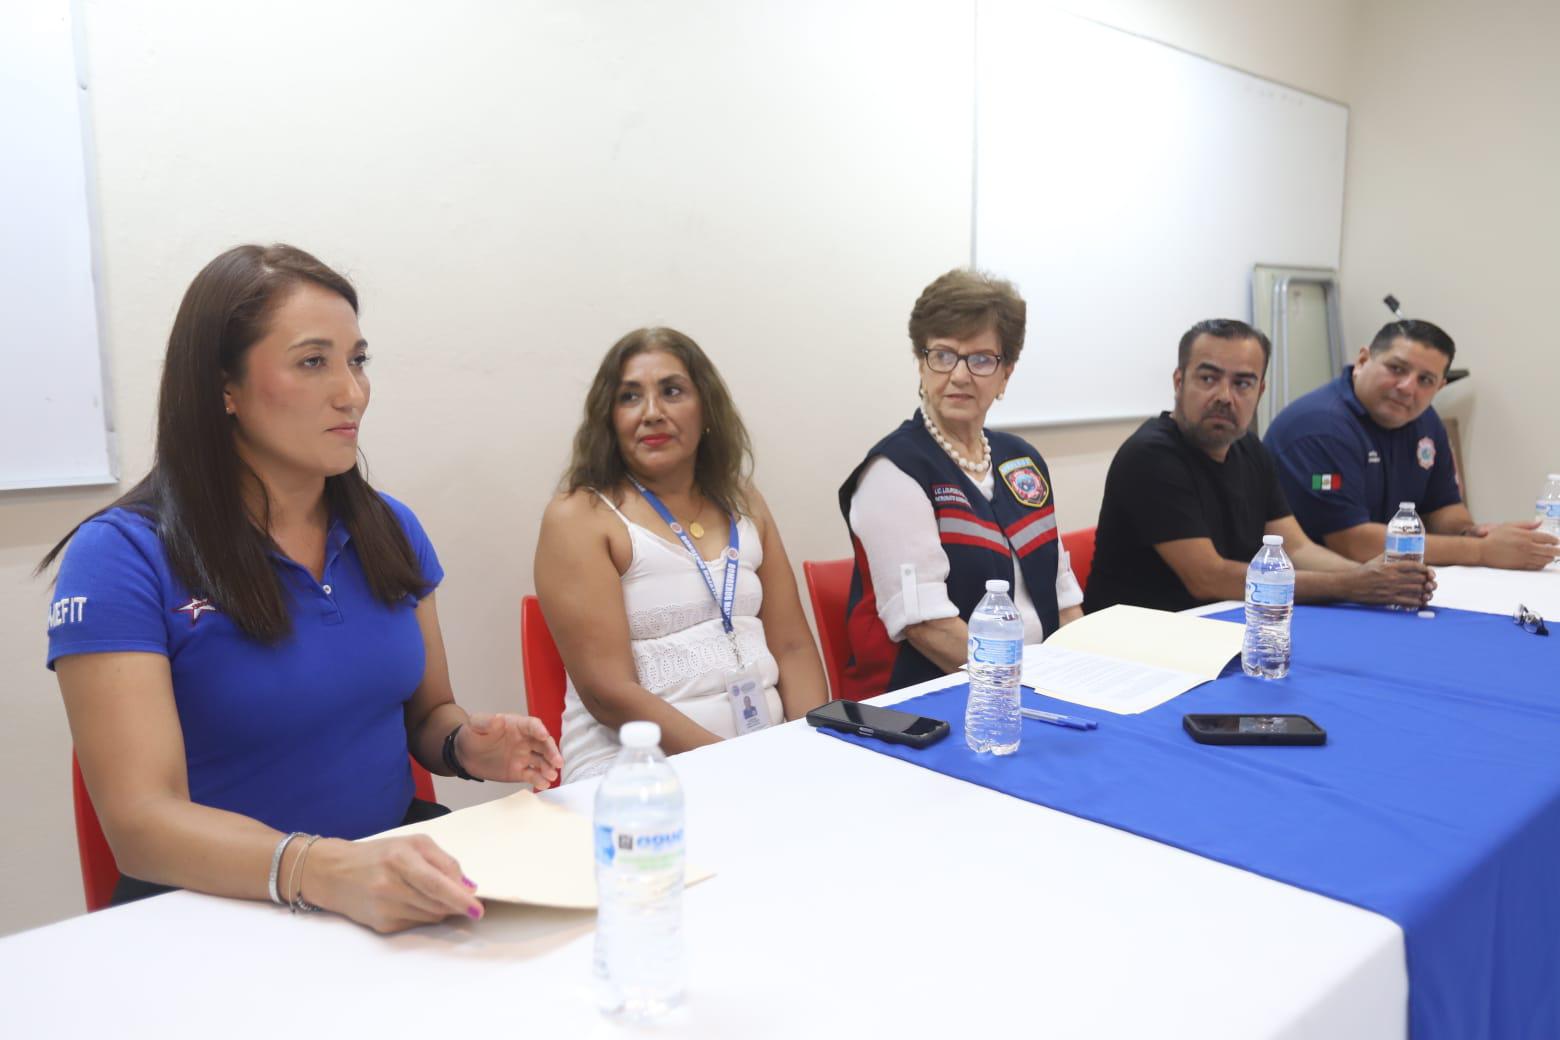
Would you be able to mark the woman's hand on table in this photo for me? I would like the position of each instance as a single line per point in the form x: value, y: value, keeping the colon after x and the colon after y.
x: 390, y: 884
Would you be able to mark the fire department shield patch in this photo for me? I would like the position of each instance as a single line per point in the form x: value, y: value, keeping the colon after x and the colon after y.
x: 1023, y: 478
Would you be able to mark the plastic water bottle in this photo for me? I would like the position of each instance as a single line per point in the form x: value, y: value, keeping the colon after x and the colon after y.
x: 1405, y: 539
x: 996, y: 658
x: 1549, y: 508
x: 639, y: 879
x: 1270, y: 604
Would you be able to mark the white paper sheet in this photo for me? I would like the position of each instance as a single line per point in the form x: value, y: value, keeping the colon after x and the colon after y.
x: 1107, y: 683
x: 1127, y: 660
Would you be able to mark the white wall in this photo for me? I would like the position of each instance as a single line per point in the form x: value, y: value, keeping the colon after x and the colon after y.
x: 513, y: 186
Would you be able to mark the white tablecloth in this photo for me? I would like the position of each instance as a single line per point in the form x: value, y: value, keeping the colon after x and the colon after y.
x: 855, y: 894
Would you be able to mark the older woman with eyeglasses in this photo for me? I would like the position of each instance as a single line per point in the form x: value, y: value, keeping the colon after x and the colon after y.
x: 942, y: 504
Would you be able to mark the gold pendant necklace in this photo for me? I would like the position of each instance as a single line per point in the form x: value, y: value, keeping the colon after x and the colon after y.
x: 696, y: 529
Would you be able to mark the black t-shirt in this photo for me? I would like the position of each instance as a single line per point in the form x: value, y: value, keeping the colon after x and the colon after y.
x: 1162, y: 488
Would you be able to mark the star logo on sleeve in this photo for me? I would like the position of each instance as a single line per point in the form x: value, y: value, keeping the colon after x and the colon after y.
x: 195, y: 608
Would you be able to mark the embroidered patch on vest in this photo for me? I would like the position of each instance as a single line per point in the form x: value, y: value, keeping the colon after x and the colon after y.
x: 1425, y: 453
x: 949, y: 495
x: 1024, y: 480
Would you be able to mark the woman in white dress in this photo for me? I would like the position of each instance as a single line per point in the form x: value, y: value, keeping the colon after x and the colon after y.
x: 632, y: 566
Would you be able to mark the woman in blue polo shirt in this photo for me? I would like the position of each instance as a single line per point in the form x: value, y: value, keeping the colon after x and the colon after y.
x: 247, y: 641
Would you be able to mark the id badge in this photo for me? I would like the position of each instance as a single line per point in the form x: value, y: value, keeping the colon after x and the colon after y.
x: 745, y: 697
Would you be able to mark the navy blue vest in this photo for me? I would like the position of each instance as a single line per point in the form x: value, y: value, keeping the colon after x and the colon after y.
x: 980, y: 538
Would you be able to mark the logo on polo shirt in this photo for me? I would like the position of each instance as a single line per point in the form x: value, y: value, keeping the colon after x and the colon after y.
x: 1425, y: 453
x: 1373, y: 457
x: 195, y: 608
x: 1023, y: 478
x: 66, y: 611
x: 1326, y: 481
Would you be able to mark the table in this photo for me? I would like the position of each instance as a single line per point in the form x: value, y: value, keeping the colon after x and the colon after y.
x: 854, y: 892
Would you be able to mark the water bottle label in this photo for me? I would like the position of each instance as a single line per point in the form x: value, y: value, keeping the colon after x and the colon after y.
x: 1551, y: 510
x: 639, y: 851
x: 1270, y: 593
x: 995, y: 651
x: 1406, y: 544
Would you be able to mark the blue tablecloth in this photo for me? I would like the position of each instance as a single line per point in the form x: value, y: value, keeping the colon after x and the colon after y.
x: 1435, y: 802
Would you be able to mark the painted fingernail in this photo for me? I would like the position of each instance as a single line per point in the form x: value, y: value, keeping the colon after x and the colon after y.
x: 474, y: 912
x: 468, y: 882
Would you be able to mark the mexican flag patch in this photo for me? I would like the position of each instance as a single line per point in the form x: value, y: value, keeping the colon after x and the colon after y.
x: 1326, y: 481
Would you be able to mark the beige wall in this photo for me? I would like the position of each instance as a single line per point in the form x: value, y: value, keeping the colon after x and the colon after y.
x: 1452, y: 206
x: 512, y: 186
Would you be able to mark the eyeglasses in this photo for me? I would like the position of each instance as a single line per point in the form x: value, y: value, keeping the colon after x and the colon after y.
x: 941, y: 360
x: 1529, y: 620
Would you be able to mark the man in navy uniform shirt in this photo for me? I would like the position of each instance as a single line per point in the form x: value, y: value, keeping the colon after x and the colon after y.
x: 1191, y: 493
x: 1349, y: 452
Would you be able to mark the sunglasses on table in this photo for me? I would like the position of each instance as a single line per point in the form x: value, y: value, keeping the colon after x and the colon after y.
x: 1534, y: 623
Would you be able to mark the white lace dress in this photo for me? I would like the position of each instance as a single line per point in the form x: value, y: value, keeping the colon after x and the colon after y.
x: 681, y: 652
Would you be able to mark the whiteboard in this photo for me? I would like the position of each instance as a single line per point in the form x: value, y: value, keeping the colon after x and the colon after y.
x: 54, y: 422
x: 1127, y: 189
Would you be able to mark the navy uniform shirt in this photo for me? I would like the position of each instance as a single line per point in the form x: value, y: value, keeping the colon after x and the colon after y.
x: 303, y: 735
x: 1339, y: 469
x: 1163, y: 488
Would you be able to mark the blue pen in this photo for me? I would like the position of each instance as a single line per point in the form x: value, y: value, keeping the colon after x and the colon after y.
x: 1058, y: 720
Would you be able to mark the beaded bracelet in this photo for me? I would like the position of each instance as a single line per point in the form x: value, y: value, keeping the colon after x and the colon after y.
x: 276, y: 865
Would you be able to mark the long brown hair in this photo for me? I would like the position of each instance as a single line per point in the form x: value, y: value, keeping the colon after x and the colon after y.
x: 193, y: 492
x: 724, y: 463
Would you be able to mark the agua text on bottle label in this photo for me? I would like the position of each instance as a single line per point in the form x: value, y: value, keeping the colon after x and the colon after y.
x: 644, y: 851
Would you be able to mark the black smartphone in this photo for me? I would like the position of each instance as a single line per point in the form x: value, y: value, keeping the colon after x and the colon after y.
x: 1254, y: 729
x: 868, y: 720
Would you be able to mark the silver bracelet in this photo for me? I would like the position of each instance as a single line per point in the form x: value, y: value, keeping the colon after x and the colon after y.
x: 276, y: 865
x: 295, y: 880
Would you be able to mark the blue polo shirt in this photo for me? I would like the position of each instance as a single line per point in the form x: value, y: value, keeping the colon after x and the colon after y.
x: 303, y: 735
x: 1339, y: 469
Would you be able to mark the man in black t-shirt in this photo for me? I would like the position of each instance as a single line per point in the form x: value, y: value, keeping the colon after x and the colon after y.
x: 1191, y: 493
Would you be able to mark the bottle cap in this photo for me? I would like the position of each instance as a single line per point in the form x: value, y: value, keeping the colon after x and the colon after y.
x: 1272, y: 539
x: 996, y: 585
x: 1554, y: 476
x: 640, y: 734
x: 1405, y: 505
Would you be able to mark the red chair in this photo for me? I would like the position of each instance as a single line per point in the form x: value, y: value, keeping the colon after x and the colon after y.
x: 1080, y: 552
x: 542, y: 667
x: 99, y: 871
x: 828, y: 586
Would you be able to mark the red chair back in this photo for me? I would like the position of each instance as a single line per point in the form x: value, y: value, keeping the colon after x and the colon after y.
x: 542, y: 667
x: 828, y: 586
x: 100, y: 871
x: 1080, y: 553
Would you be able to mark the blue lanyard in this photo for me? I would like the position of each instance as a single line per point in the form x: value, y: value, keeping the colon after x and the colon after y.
x: 727, y: 597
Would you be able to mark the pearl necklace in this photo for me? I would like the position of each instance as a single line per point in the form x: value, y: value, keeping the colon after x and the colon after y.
x: 970, y: 466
